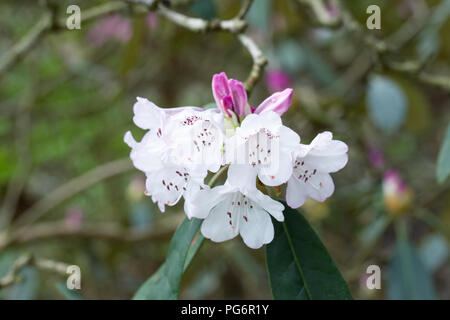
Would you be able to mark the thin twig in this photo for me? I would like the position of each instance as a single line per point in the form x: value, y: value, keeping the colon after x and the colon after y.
x: 73, y: 187
x: 259, y: 61
x: 17, y: 51
x: 110, y: 232
x: 13, y: 276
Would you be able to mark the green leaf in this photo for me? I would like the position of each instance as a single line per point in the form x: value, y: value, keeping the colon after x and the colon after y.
x: 165, y: 282
x: 443, y: 163
x: 299, y: 265
x: 409, y: 279
x: 387, y: 103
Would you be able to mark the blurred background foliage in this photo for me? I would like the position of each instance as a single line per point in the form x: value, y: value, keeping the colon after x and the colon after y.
x: 69, y: 192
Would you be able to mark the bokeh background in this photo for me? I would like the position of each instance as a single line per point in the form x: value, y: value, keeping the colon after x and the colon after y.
x: 68, y: 191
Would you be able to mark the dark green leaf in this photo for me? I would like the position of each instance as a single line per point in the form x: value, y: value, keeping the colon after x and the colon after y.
x: 164, y: 284
x: 299, y: 265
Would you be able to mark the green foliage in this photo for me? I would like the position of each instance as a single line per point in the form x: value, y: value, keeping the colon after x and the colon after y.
x: 299, y: 265
x: 164, y: 284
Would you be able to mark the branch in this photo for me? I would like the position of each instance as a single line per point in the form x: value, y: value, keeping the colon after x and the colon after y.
x: 16, y: 52
x: 105, y: 232
x: 13, y: 275
x: 322, y: 12
x: 72, y: 187
x: 234, y: 25
x: 259, y: 61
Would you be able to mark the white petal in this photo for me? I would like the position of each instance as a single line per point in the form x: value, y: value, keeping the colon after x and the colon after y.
x: 167, y: 185
x: 201, y: 203
x: 146, y: 155
x: 242, y: 176
x: 217, y: 226
x: 253, y: 123
x: 279, y: 170
x: 289, y: 139
x: 320, y: 186
x: 296, y: 193
x: 327, y: 163
x: 129, y: 140
x: 273, y: 207
x: 147, y: 115
x: 196, y: 139
x: 256, y: 228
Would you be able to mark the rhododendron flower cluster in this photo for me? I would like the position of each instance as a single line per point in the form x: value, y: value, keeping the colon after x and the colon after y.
x: 183, y: 144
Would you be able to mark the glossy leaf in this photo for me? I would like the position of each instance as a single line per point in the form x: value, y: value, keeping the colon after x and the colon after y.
x: 299, y: 265
x: 164, y: 284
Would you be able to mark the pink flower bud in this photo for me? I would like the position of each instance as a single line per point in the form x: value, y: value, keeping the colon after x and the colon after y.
x: 239, y: 96
x: 397, y: 194
x: 279, y: 102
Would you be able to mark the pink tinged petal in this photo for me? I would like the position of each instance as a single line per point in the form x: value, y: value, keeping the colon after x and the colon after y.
x: 227, y: 104
x: 239, y: 96
x: 279, y: 102
x: 220, y: 89
x: 256, y: 228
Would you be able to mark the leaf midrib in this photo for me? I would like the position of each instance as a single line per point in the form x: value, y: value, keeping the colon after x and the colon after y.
x: 297, y: 263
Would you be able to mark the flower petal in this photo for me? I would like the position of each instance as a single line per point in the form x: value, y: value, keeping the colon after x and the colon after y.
x: 239, y: 96
x: 296, y: 193
x: 278, y: 102
x: 279, y: 170
x: 256, y: 228
x: 220, y: 89
x: 242, y: 176
x: 147, y: 115
x: 273, y: 207
x: 222, y: 223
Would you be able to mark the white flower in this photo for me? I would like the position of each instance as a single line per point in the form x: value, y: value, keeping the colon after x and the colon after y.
x: 197, y: 138
x: 157, y: 154
x: 311, y: 168
x: 167, y: 185
x: 237, y: 207
x: 264, y: 145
